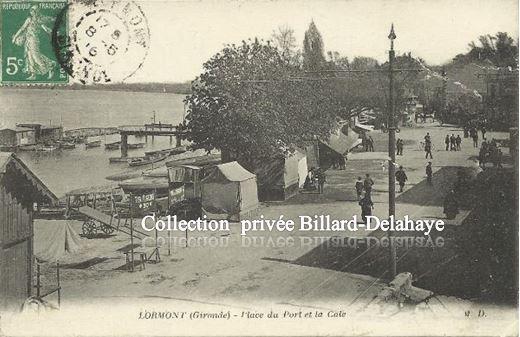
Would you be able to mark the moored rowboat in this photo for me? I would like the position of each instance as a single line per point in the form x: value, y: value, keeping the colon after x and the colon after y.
x: 112, y: 146
x: 136, y: 145
x: 146, y: 160
x: 170, y: 151
x: 91, y: 144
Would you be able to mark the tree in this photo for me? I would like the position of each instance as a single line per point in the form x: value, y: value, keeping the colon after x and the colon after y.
x: 364, y: 63
x: 366, y: 87
x: 313, y: 53
x: 358, y: 90
x: 500, y: 49
x: 247, y: 119
x: 285, y: 41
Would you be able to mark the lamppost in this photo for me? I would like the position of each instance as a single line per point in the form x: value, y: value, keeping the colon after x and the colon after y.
x: 391, y: 151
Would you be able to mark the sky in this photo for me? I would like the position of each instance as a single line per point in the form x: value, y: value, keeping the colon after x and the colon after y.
x: 185, y: 34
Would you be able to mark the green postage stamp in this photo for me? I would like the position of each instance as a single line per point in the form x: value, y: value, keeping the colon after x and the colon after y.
x: 28, y: 55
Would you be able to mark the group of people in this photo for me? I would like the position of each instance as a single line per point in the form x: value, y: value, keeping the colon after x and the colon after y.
x: 365, y: 186
x: 453, y: 143
x: 472, y: 131
x: 315, y: 180
x: 340, y: 163
x: 490, y: 152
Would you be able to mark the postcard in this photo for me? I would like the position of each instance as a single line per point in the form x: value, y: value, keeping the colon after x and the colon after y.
x: 259, y: 168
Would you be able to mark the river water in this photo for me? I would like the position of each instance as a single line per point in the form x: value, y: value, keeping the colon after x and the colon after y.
x: 65, y: 170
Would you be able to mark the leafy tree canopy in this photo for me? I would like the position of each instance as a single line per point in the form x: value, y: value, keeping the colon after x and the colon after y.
x: 242, y: 106
x: 499, y: 49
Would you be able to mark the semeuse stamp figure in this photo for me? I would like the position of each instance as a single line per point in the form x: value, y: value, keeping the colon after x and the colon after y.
x: 27, y: 53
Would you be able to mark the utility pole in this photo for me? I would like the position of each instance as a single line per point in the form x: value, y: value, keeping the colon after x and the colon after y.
x: 444, y: 94
x: 391, y: 151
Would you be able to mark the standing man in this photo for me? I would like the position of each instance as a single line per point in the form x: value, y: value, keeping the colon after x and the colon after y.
x: 428, y: 150
x: 499, y: 159
x: 370, y: 144
x: 458, y: 141
x: 343, y: 162
x: 321, y: 180
x: 401, y: 177
x: 359, y: 188
x: 447, y: 142
x: 482, y: 157
x: 399, y: 144
x: 474, y: 136
x: 429, y: 173
x: 451, y: 205
x: 366, y: 207
x: 427, y: 138
x: 367, y: 185
x: 483, y: 129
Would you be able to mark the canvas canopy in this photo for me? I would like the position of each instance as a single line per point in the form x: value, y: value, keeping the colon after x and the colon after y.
x: 54, y: 239
x: 342, y: 142
x: 229, y: 192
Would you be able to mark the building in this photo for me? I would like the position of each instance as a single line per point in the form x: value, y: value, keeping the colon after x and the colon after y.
x: 20, y: 191
x: 8, y: 138
x: 19, y: 136
x: 501, y: 97
x: 44, y: 133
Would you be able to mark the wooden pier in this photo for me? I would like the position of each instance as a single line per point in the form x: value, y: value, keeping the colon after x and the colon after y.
x: 153, y: 130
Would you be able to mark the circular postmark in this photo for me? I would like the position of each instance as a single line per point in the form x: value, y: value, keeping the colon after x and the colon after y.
x: 101, y: 41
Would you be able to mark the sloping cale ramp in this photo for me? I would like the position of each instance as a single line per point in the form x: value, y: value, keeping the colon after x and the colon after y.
x: 107, y: 220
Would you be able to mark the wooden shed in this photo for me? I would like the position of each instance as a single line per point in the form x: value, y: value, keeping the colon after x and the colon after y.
x: 20, y: 191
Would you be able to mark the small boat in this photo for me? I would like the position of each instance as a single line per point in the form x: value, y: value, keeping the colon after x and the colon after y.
x: 136, y: 145
x: 8, y: 148
x: 48, y: 148
x: 112, y: 146
x: 140, y: 161
x: 171, y: 151
x: 113, y: 160
x: 80, y: 140
x: 67, y: 145
x: 28, y: 148
x: 91, y: 144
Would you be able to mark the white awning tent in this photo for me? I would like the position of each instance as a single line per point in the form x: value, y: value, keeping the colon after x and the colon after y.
x: 342, y: 142
x: 229, y: 192
x: 54, y: 239
x: 295, y: 169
